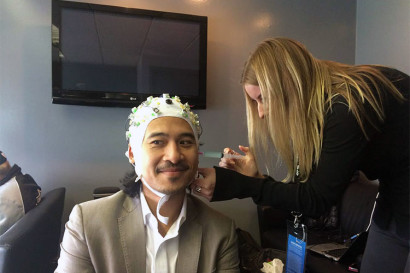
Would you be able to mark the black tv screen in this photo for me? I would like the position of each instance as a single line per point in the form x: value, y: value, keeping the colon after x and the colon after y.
x: 115, y: 56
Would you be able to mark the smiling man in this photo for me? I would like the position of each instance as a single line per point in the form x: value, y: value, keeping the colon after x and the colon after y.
x: 154, y: 224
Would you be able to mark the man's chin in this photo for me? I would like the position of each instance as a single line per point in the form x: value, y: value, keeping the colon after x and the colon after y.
x: 175, y: 184
x: 170, y: 183
x: 173, y: 190
x: 177, y: 177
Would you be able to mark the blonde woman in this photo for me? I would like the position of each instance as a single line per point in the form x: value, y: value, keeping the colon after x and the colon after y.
x: 326, y: 120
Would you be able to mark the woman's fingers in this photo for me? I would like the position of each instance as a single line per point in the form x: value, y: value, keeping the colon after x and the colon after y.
x: 227, y: 163
x: 244, y: 149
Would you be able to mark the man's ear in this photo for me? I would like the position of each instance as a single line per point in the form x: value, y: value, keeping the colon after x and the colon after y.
x: 130, y: 155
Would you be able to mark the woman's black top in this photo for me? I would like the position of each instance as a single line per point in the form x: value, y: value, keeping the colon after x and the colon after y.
x: 345, y: 149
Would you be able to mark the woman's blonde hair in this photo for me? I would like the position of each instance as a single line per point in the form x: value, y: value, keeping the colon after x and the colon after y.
x: 297, y: 91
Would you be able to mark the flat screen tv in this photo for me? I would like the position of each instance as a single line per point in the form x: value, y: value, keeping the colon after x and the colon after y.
x: 115, y: 56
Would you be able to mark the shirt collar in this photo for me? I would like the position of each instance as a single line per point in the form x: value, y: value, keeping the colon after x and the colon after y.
x: 147, y: 214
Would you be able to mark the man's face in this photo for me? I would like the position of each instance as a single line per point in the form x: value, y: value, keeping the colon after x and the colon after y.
x: 169, y: 155
x: 4, y: 167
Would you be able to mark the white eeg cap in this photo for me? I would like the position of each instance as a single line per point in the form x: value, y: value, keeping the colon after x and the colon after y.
x: 156, y: 107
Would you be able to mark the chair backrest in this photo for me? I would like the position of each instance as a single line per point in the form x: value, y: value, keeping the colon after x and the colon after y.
x: 357, y: 205
x: 104, y: 191
x: 32, y: 244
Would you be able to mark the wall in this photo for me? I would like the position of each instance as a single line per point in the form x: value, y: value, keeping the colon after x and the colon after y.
x: 82, y: 148
x: 383, y: 33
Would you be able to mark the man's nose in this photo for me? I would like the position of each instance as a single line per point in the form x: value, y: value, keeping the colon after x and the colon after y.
x: 172, y: 153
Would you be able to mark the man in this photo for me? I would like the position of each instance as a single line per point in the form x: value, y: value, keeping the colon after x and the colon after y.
x: 153, y: 225
x: 18, y: 193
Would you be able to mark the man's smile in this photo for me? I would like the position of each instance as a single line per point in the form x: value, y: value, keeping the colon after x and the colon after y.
x: 172, y: 169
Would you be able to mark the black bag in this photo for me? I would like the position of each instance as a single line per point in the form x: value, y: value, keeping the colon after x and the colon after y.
x: 252, y: 256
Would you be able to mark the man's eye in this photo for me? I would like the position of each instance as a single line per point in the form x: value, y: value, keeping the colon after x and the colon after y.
x: 186, y: 142
x: 157, y: 142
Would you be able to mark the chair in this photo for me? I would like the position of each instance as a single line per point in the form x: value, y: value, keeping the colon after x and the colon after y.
x: 354, y: 214
x: 31, y: 245
x: 104, y: 191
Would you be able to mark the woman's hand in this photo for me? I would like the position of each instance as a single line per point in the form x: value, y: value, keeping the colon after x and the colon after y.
x: 246, y: 165
x: 205, y: 186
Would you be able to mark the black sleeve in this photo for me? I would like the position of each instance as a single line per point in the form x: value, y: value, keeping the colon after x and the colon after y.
x: 30, y: 191
x: 342, y: 149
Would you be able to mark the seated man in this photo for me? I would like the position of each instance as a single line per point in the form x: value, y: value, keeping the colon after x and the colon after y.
x: 153, y: 225
x: 18, y: 193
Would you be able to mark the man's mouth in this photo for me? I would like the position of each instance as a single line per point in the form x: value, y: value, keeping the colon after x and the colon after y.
x: 171, y: 168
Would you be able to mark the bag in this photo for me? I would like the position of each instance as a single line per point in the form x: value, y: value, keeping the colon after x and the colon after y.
x: 252, y: 256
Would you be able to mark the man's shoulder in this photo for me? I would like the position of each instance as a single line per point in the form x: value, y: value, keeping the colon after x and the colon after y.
x: 27, y: 181
x: 202, y: 211
x: 13, y: 171
x: 30, y: 190
x: 115, y: 198
x: 107, y: 205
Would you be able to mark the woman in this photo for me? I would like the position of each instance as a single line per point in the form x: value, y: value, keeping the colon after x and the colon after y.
x: 326, y: 120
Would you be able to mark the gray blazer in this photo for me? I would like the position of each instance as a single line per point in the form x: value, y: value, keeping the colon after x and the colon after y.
x: 107, y: 235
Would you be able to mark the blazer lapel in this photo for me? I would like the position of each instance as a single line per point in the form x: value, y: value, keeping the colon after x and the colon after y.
x: 132, y: 234
x: 189, y: 242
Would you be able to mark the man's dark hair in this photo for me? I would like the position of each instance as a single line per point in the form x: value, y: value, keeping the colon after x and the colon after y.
x: 131, y: 187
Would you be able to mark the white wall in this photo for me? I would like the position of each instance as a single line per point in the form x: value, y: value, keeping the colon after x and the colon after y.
x: 383, y: 33
x: 82, y: 148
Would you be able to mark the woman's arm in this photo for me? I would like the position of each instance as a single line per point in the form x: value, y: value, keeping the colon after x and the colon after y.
x: 342, y: 151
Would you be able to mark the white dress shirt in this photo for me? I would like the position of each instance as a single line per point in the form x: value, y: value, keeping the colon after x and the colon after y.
x: 162, y: 252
